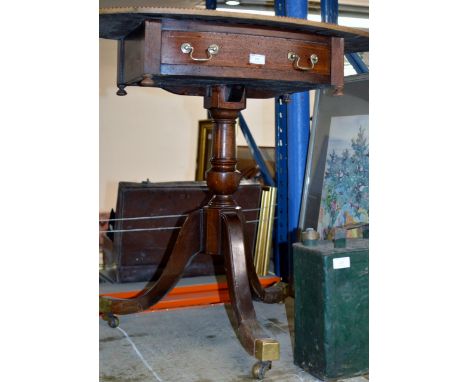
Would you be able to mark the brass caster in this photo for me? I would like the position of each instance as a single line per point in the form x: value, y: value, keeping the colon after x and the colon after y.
x: 260, y: 368
x: 112, y: 321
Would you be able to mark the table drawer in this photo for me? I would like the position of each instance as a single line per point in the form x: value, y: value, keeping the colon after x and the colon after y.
x: 244, y: 56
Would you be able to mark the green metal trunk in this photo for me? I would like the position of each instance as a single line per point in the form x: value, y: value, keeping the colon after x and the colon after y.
x: 332, y: 308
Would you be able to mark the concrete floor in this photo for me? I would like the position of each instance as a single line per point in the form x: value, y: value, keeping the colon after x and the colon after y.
x: 194, y: 345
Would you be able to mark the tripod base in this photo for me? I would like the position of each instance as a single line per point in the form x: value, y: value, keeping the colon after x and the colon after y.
x: 217, y: 229
x: 241, y: 278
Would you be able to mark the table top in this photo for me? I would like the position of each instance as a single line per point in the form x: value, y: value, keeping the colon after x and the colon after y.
x: 120, y: 17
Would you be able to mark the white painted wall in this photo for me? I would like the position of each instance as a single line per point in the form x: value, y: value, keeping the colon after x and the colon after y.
x: 151, y: 133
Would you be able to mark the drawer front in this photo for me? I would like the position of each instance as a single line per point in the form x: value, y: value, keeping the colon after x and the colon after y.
x: 244, y: 56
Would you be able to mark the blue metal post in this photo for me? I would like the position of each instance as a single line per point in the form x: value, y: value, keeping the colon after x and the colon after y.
x: 280, y: 235
x: 281, y: 244
x: 357, y: 63
x: 210, y: 4
x: 280, y: 7
x: 257, y: 155
x: 329, y: 12
x: 298, y: 121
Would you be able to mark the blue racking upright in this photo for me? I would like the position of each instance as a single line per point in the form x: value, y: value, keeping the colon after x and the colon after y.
x: 329, y: 14
x: 210, y: 4
x: 292, y: 137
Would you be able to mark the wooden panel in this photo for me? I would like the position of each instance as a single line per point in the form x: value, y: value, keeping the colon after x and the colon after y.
x: 152, y: 55
x: 220, y: 74
x: 133, y: 55
x: 234, y: 50
x: 337, y: 66
x: 254, y: 88
x: 139, y: 253
x: 197, y: 26
x: 234, y: 53
x: 118, y: 22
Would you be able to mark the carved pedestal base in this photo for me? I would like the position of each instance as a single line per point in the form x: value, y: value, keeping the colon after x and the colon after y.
x: 217, y: 229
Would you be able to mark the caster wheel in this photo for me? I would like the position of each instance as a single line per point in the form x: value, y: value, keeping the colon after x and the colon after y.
x: 113, y: 321
x: 260, y: 368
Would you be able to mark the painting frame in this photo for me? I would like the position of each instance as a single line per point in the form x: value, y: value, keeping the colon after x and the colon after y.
x: 205, y: 146
x: 328, y: 107
x: 247, y: 165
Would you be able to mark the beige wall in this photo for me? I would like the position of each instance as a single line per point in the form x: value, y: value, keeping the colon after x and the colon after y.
x: 151, y: 133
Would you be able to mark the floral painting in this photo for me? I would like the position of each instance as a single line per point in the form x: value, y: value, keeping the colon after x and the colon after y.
x: 345, y: 192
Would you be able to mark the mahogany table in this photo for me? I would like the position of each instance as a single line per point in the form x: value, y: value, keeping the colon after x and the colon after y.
x: 225, y: 58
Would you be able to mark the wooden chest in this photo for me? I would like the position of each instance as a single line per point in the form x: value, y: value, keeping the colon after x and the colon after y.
x: 149, y: 214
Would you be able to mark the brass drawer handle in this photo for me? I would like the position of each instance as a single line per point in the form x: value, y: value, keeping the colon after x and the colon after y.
x: 295, y: 58
x: 213, y: 49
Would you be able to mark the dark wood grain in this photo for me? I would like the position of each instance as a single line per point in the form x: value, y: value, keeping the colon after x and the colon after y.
x: 118, y: 22
x: 235, y: 50
x: 248, y: 77
x: 248, y: 328
x: 254, y: 88
x: 152, y: 47
x: 198, y: 26
x: 337, y: 63
x: 133, y: 51
x: 154, y: 55
x: 185, y: 248
x: 138, y: 255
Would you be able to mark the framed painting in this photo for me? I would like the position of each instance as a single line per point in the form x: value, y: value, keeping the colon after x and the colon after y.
x: 336, y: 184
x: 247, y: 165
x: 205, y: 146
